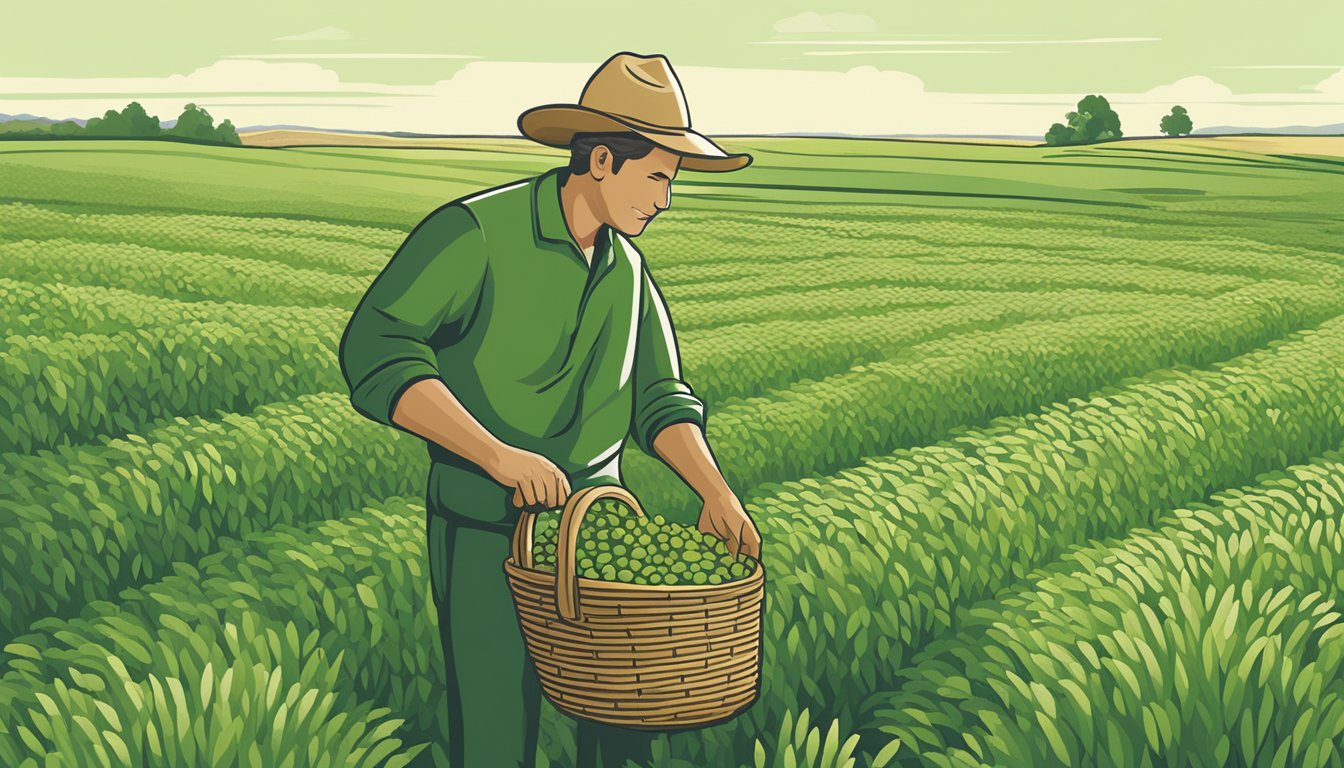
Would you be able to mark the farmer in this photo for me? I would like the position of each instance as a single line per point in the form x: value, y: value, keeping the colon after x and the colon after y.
x: 519, y: 332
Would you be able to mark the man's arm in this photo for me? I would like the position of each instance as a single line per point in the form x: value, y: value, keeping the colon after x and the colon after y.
x: 432, y: 283
x: 434, y: 278
x: 669, y: 422
x: 682, y: 446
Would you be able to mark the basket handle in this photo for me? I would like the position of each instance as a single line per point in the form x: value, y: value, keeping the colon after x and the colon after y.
x: 567, y: 542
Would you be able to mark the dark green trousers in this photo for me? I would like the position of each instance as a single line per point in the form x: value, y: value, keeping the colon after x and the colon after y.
x: 494, y: 697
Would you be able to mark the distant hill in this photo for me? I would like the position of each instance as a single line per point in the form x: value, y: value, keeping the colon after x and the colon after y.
x: 289, y: 134
x: 38, y: 119
x: 289, y: 127
x: 78, y: 120
x: 296, y: 136
x: 820, y: 134
x: 1334, y: 129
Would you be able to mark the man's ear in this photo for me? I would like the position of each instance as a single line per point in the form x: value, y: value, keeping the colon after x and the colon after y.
x: 599, y: 162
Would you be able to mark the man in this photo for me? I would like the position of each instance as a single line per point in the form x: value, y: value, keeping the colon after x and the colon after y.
x: 519, y: 332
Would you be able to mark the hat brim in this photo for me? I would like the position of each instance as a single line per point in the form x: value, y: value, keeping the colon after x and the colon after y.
x: 555, y: 125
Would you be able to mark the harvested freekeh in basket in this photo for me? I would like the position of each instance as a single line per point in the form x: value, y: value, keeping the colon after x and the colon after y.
x: 615, y: 544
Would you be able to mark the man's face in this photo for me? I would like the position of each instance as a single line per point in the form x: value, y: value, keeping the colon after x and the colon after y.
x: 641, y: 190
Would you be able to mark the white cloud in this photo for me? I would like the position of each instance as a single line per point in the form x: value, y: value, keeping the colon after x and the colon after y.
x: 811, y: 21
x: 325, y: 33
x: 225, y: 75
x: 1334, y: 84
x: 1196, y: 88
x: 486, y: 97
x: 250, y: 75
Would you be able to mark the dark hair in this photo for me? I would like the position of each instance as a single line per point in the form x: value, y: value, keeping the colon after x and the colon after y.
x: 624, y: 145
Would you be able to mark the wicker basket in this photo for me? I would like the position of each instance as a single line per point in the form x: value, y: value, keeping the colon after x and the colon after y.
x: 639, y: 656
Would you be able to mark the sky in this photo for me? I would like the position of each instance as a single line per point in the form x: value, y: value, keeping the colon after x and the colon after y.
x: 868, y: 67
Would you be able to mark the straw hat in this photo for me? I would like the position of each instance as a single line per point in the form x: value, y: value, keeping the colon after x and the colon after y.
x: 636, y: 93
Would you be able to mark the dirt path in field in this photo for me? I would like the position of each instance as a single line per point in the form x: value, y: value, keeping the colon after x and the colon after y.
x: 1277, y: 145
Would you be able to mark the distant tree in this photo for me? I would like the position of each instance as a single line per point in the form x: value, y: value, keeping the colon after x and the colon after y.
x: 1058, y: 134
x: 194, y: 123
x: 11, y: 128
x: 1176, y: 123
x: 140, y: 123
x: 1094, y: 120
x: 1077, y: 126
x: 133, y: 122
x: 1102, y: 121
x: 130, y: 122
x: 112, y: 123
x: 227, y: 134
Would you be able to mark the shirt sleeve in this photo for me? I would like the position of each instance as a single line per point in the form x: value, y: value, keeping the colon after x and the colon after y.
x: 661, y: 397
x: 434, y: 279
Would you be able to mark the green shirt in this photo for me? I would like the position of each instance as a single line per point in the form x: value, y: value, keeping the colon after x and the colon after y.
x: 491, y: 294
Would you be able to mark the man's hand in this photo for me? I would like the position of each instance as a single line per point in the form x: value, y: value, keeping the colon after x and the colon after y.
x: 723, y: 516
x: 536, y: 480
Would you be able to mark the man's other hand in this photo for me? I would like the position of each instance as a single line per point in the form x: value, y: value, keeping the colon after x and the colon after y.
x: 536, y: 481
x: 723, y: 516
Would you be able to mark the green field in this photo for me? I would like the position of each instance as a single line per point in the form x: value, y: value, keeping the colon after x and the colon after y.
x: 1046, y: 447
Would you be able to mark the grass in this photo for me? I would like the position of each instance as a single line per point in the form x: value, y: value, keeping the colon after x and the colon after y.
x: 843, y: 300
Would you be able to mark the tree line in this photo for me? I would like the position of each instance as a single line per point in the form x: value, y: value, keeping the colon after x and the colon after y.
x: 195, y: 124
x: 1094, y: 120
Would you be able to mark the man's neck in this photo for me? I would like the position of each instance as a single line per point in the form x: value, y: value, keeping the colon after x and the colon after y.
x: 580, y: 217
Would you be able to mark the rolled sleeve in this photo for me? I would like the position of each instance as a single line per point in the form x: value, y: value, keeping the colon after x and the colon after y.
x: 432, y: 281
x: 661, y: 397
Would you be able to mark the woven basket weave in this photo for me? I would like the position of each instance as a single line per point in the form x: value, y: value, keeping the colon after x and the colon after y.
x: 636, y: 655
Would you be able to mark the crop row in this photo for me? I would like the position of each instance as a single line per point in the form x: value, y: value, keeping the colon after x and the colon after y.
x: 820, y: 224
x: 757, y: 244
x: 237, y: 660
x: 858, y: 300
x: 729, y: 281
x: 747, y: 361
x: 23, y: 217
x: 1258, y: 262
x: 292, y: 186
x: 922, y: 532
x: 1222, y: 255
x: 313, y: 245
x: 81, y: 523
x: 912, y: 533
x: 51, y: 309
x: 185, y: 275
x: 353, y: 589
x: 356, y: 587
x: 68, y: 503
x: 177, y: 275
x: 31, y: 308
x: 897, y: 222
x: 817, y: 426
x: 1215, y: 638
x: 57, y: 220
x: 72, y: 388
